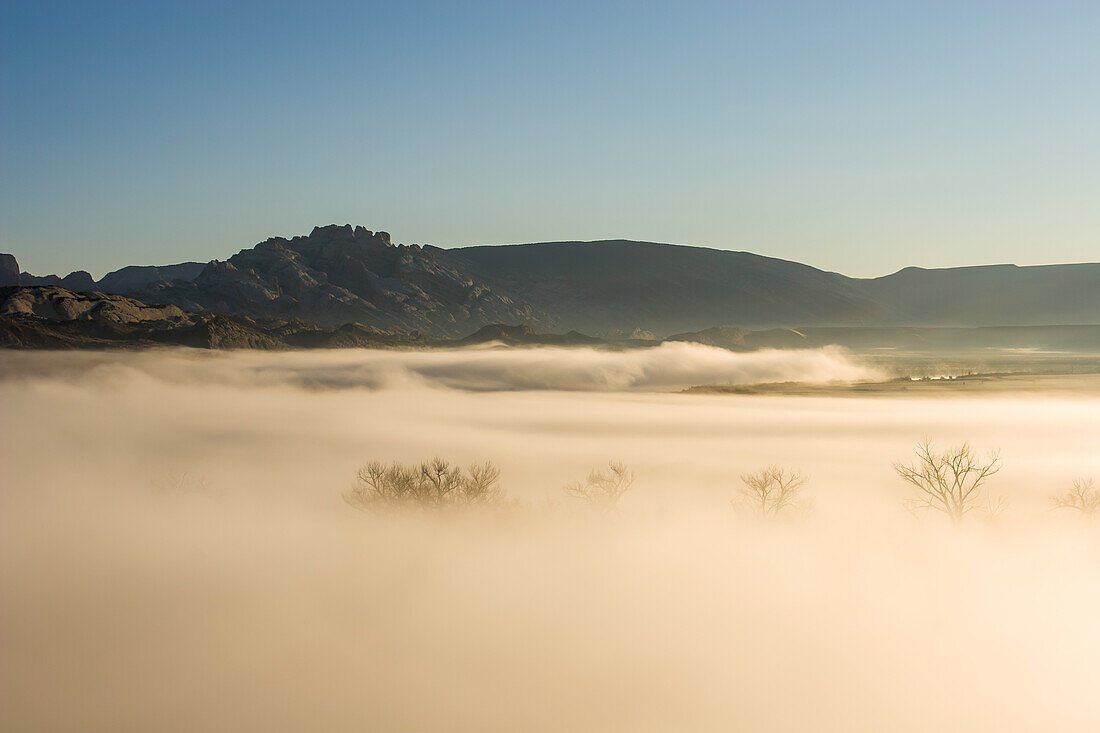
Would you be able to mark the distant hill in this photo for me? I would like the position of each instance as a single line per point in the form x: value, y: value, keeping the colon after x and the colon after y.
x: 130, y: 279
x: 603, y: 286
x: 600, y: 286
x: 340, y: 274
x: 138, y: 277
x: 991, y: 295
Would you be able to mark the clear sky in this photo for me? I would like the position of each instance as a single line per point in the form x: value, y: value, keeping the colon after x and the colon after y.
x: 859, y: 137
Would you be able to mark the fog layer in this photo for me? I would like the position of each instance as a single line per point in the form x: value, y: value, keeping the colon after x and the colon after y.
x: 175, y: 553
x: 670, y: 366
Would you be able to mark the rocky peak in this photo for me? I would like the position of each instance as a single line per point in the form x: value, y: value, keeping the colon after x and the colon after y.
x: 336, y: 274
x: 346, y: 234
x: 77, y: 281
x: 80, y: 281
x: 9, y: 270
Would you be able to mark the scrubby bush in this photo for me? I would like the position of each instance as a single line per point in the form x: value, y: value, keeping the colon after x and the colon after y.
x: 950, y: 482
x: 183, y: 483
x: 602, y: 489
x: 771, y: 492
x: 1084, y: 497
x: 432, y: 484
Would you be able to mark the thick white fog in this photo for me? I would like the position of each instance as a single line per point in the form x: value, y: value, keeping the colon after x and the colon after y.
x: 176, y: 555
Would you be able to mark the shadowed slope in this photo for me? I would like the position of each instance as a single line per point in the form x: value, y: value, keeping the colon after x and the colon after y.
x: 600, y: 286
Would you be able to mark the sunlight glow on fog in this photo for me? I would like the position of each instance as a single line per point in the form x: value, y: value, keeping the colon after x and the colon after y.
x: 265, y: 603
x: 670, y: 366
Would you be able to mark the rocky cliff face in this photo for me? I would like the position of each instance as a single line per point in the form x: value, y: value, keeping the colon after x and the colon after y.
x: 53, y: 317
x: 336, y: 275
x: 340, y: 275
x: 9, y: 271
x: 59, y: 304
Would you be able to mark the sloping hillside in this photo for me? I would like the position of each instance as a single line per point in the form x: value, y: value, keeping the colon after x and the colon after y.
x: 602, y: 286
x: 992, y: 295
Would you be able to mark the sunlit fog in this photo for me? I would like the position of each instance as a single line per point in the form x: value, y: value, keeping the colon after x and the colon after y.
x: 178, y: 551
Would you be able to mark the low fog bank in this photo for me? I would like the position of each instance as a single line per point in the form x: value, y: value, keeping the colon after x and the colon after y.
x: 670, y: 366
x: 246, y: 595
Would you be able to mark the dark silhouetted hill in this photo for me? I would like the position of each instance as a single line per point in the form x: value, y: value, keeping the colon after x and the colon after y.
x: 598, y: 287
x: 341, y: 274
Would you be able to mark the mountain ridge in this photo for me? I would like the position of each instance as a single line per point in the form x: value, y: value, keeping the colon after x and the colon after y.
x: 342, y: 274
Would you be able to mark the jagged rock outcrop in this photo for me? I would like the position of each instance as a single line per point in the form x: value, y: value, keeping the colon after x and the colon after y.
x: 60, y: 304
x: 339, y: 275
x: 53, y: 317
x: 9, y: 271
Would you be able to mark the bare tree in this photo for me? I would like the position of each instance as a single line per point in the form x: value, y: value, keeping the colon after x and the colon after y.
x: 1084, y: 497
x: 950, y: 482
x: 183, y: 483
x: 433, y: 484
x: 602, y: 489
x: 770, y: 492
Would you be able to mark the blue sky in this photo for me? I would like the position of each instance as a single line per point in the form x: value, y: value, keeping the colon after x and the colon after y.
x: 860, y: 137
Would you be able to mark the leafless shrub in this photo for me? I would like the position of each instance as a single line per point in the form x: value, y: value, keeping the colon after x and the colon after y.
x: 602, y: 489
x: 431, y: 484
x: 183, y: 482
x: 1084, y: 497
x: 770, y: 492
x: 951, y: 482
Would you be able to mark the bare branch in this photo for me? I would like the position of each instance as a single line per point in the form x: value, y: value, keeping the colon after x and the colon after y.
x: 433, y: 484
x: 770, y: 492
x: 1084, y: 497
x: 602, y: 489
x: 950, y: 482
